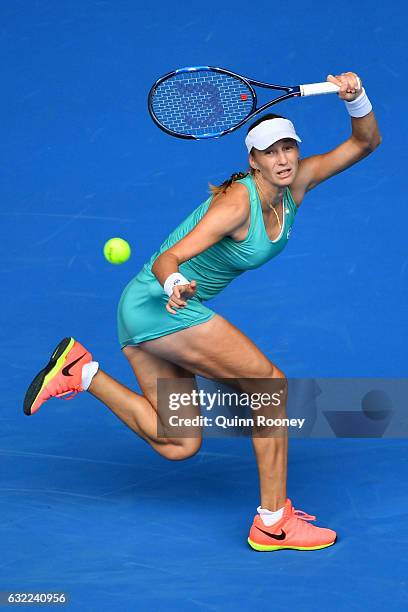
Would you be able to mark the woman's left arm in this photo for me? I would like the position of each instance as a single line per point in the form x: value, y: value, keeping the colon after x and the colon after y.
x: 365, y: 137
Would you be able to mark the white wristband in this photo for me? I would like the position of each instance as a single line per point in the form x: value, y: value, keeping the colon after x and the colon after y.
x: 174, y: 279
x: 360, y: 107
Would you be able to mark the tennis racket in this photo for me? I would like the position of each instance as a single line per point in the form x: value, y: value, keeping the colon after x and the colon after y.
x: 206, y: 102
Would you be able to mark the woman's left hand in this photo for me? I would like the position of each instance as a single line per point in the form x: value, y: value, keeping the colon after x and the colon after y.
x: 349, y: 83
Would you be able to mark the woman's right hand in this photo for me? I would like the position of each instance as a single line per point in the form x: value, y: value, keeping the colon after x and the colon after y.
x: 180, y: 295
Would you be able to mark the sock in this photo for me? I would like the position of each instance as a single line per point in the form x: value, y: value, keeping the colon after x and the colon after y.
x: 268, y: 517
x: 88, y: 372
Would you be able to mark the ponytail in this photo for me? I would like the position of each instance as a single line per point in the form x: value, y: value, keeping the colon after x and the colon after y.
x: 216, y: 189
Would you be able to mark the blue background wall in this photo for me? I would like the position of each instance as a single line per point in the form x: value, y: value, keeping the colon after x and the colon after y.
x: 81, y: 162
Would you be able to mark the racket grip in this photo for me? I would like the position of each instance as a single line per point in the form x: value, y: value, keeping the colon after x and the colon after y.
x: 315, y: 89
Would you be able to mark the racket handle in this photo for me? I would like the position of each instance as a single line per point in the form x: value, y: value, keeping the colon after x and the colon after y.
x: 315, y: 89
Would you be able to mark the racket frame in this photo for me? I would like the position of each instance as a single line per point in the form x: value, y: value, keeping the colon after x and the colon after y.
x: 291, y: 92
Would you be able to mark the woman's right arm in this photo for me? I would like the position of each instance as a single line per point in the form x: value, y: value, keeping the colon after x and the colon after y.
x: 229, y: 212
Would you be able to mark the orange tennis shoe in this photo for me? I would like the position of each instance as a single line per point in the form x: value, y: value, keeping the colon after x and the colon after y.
x: 61, y: 376
x: 291, y: 531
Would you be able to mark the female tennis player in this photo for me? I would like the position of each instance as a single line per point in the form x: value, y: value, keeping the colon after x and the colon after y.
x: 166, y: 331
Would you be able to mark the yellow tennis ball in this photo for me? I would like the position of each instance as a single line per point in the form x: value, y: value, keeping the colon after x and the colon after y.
x: 117, y: 251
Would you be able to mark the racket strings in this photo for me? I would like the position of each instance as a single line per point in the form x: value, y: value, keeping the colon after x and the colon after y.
x: 202, y: 102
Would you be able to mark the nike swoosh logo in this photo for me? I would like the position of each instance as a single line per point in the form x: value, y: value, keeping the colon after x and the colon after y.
x: 67, y: 368
x: 275, y: 536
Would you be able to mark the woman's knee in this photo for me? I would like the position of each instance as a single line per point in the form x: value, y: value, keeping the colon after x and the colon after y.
x: 280, y: 386
x: 186, y: 449
x: 266, y: 369
x: 262, y: 368
x: 272, y: 381
x: 277, y: 373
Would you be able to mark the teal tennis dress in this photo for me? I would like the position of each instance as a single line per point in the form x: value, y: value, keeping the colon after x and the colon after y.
x: 142, y: 313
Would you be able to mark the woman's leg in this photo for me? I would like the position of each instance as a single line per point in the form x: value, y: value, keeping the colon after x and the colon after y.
x: 217, y: 349
x: 139, y: 411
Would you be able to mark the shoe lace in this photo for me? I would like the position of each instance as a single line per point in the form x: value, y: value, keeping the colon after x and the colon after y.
x: 303, y: 515
x: 73, y: 391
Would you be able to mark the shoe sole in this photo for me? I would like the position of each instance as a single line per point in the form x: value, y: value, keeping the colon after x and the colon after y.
x: 43, y: 378
x: 265, y: 548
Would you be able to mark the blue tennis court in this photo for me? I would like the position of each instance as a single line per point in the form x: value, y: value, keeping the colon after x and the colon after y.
x: 87, y: 507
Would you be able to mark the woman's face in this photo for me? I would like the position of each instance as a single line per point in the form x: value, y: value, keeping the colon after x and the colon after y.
x: 278, y: 163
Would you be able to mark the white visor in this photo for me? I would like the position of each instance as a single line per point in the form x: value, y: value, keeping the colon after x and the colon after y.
x: 266, y: 133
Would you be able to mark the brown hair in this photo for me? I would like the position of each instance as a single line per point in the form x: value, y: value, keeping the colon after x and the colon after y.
x: 236, y: 176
